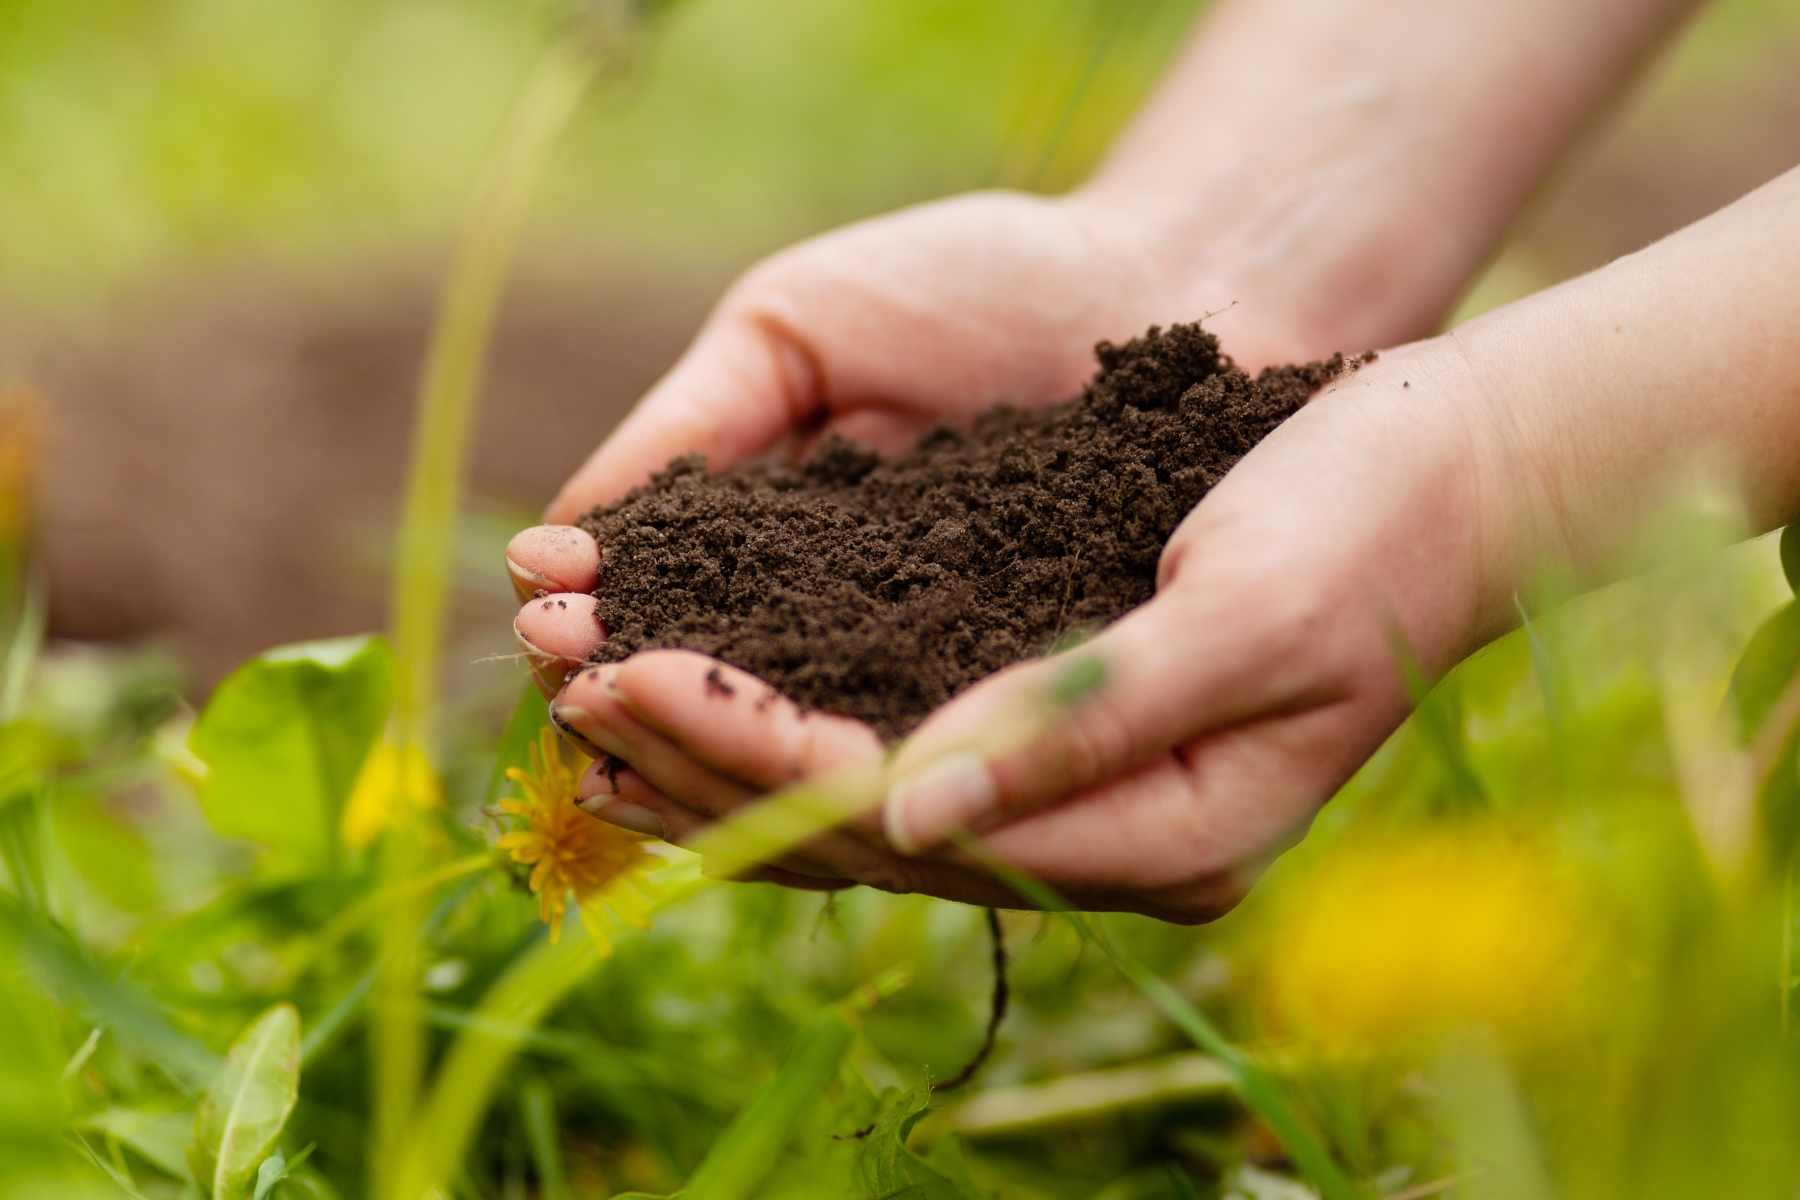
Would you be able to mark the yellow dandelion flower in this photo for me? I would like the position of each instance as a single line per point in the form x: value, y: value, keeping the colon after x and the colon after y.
x: 571, y: 853
x: 1402, y: 940
x: 391, y: 779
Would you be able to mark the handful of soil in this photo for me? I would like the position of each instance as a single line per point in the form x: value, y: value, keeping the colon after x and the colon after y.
x: 880, y: 588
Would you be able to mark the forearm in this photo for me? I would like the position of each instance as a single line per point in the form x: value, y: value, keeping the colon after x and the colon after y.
x: 1600, y: 396
x: 1368, y: 156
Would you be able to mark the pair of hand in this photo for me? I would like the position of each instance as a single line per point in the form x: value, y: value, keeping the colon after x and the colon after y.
x: 1233, y: 705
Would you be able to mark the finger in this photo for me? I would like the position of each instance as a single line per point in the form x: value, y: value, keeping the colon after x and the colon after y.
x: 552, y: 558
x: 1189, y: 661
x: 590, y: 705
x: 1190, y: 831
x: 594, y: 707
x: 738, y: 724
x: 622, y: 797
x: 558, y: 633
x: 593, y: 704
x: 745, y: 382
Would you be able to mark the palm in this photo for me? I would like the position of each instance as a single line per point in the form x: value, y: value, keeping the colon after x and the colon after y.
x: 866, y: 333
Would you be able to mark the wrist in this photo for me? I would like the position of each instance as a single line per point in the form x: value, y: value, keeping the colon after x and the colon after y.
x: 1435, y: 485
x: 1316, y: 241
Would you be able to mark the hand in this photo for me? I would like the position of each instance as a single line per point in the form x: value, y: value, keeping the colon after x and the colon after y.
x: 1007, y: 294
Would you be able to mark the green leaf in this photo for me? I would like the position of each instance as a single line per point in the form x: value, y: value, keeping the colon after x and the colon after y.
x: 247, y: 1105
x: 889, y: 1168
x: 106, y: 998
x: 276, y: 1168
x: 158, y: 1135
x: 1790, y: 556
x: 1768, y: 665
x: 529, y: 715
x: 283, y: 738
x: 1769, y: 661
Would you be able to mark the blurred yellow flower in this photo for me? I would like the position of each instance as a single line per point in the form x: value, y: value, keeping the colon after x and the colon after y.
x: 571, y: 853
x: 21, y: 415
x: 1398, y: 940
x: 390, y: 775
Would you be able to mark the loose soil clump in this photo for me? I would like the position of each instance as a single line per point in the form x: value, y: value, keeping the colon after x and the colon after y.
x: 881, y: 587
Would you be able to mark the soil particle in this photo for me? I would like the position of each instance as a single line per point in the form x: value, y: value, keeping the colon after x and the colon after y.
x: 879, y: 588
x: 717, y: 686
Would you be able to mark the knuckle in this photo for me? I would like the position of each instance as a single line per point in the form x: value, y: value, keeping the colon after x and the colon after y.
x: 1094, y: 745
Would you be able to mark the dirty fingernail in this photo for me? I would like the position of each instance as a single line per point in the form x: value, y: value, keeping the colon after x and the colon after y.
x: 950, y: 795
x: 526, y: 582
x: 627, y: 815
x: 571, y: 714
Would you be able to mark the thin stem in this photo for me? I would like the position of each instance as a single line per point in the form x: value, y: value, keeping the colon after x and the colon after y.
x: 531, y: 988
x: 1260, y: 1090
x: 996, y: 1009
x: 423, y: 555
x: 1075, y: 1099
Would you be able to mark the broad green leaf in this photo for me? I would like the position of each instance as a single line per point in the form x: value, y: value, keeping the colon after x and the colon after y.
x: 247, y: 1105
x: 159, y: 1135
x: 109, y: 852
x: 283, y: 738
x: 1790, y: 555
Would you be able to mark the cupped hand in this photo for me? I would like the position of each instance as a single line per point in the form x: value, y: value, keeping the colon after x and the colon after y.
x: 1232, y: 705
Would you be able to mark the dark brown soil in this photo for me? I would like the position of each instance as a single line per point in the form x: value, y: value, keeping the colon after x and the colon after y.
x: 881, y: 588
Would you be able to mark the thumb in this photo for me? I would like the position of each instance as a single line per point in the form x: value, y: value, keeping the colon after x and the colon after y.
x: 745, y: 382
x: 1038, y: 732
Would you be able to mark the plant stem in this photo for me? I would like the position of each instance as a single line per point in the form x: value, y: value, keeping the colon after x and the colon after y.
x: 423, y: 555
x: 531, y: 987
x: 1070, y: 1099
x: 1260, y: 1090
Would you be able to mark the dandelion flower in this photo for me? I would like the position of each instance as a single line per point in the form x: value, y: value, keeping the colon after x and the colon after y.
x: 393, y: 778
x: 570, y: 853
x: 1467, y: 925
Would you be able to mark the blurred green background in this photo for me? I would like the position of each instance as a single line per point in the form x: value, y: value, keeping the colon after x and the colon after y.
x: 222, y: 226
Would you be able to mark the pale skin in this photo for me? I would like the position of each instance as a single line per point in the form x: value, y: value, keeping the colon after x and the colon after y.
x: 1407, y: 502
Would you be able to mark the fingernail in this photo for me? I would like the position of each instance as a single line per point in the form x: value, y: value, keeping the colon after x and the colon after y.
x: 572, y: 715
x: 578, y: 725
x: 627, y: 815
x: 947, y: 797
x: 528, y: 582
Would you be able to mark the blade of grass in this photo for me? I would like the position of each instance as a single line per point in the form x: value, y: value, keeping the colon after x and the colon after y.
x: 537, y: 1112
x: 747, y: 1151
x: 535, y: 983
x: 1255, y: 1084
x: 424, y: 551
x: 130, y: 1015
